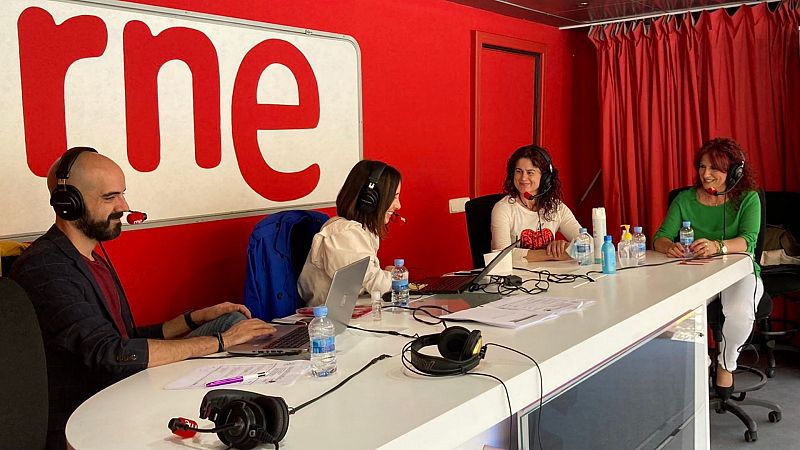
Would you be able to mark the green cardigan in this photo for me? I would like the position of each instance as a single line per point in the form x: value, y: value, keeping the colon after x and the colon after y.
x: 707, y: 220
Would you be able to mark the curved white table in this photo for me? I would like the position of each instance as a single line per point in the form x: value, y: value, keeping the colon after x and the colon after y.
x: 386, y: 407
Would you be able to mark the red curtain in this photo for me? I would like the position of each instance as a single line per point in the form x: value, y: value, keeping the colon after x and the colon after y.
x: 668, y: 87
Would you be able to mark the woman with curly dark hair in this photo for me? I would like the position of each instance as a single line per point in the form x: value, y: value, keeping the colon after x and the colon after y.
x: 533, y: 210
x: 725, y: 212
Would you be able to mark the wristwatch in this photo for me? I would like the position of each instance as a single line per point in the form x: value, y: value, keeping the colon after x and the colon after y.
x: 722, y: 248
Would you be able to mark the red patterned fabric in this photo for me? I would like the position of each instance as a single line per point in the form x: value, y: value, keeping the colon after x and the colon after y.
x: 535, y: 240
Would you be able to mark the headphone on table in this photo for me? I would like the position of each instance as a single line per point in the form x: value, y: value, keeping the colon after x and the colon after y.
x: 461, y: 351
x: 370, y: 197
x: 242, y: 419
x: 66, y: 199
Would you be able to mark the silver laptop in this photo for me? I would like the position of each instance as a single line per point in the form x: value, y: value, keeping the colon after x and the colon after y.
x: 293, y: 339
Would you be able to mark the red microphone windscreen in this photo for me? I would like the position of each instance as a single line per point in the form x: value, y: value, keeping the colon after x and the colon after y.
x: 527, y: 195
x: 136, y: 217
x: 711, y: 191
x: 396, y: 216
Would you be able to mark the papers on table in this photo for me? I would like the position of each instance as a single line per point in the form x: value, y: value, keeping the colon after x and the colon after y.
x: 278, y: 372
x: 519, y: 311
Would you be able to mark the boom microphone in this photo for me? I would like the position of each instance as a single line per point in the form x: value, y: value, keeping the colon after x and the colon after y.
x: 396, y: 216
x: 713, y: 191
x: 136, y: 217
x: 529, y: 196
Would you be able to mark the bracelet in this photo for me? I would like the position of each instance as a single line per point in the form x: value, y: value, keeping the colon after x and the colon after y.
x: 187, y: 316
x: 221, y: 346
x: 719, y: 247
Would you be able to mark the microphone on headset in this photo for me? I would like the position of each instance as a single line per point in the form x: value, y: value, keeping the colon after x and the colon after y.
x: 187, y: 428
x: 396, y: 216
x: 136, y: 217
x: 713, y: 191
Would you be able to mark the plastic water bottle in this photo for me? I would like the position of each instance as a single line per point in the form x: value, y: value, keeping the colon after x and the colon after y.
x: 627, y: 257
x: 399, y: 283
x: 377, y: 305
x: 687, y: 237
x: 609, y: 256
x: 598, y: 231
x: 639, y: 245
x: 583, y: 248
x: 322, y: 335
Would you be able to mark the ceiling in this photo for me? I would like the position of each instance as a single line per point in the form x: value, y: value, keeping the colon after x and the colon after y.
x: 570, y: 13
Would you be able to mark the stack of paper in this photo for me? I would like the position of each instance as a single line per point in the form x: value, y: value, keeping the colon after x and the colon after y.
x: 518, y: 311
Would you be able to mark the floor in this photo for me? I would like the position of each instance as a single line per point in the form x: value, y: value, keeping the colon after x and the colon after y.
x: 727, y: 432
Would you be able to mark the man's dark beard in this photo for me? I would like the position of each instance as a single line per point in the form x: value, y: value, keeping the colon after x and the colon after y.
x: 101, y: 230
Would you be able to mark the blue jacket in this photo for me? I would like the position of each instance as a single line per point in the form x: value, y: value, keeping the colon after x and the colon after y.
x: 277, y: 251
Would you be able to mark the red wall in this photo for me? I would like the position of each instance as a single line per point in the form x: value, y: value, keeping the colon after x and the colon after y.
x: 416, y: 90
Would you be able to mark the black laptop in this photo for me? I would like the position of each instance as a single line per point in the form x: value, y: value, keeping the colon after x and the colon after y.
x: 456, y: 284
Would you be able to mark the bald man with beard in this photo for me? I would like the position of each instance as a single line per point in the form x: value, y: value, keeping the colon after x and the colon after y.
x: 91, y: 340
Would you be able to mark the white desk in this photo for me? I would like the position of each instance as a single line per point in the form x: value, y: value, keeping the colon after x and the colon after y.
x: 385, y: 407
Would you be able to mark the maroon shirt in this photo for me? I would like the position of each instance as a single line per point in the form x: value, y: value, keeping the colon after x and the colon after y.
x: 102, y: 275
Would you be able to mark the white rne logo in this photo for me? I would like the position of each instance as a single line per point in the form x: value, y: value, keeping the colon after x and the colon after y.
x: 206, y: 115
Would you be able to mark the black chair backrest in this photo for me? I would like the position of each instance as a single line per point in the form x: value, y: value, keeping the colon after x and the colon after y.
x: 24, y: 374
x: 761, y: 233
x: 479, y: 226
x: 783, y: 209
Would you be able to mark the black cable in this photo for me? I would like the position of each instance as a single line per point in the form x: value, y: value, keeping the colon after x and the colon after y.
x: 541, y: 388
x: 389, y: 332
x: 508, y: 399
x: 374, y: 360
x: 424, y: 309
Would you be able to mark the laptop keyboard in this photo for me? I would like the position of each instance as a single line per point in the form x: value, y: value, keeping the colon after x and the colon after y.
x: 445, y: 284
x: 297, y: 338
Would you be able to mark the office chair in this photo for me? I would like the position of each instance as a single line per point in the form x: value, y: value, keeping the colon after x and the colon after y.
x: 782, y: 280
x: 479, y: 226
x: 715, y: 321
x: 9, y: 252
x: 24, y: 378
x: 276, y: 253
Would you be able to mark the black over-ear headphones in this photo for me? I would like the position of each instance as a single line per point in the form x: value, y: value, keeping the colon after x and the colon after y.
x: 370, y: 197
x: 66, y: 199
x: 735, y: 172
x: 460, y: 348
x: 242, y: 419
x: 546, y: 181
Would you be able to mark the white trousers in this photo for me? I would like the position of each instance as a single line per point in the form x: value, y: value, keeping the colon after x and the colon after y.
x: 739, y: 302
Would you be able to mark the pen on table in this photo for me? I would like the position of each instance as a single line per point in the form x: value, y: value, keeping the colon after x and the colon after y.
x: 239, y: 379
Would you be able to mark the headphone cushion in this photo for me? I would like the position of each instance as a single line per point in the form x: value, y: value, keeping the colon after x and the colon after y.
x: 67, y: 202
x: 453, y: 343
x: 735, y: 174
x: 368, y: 200
x: 253, y: 418
x: 277, y: 414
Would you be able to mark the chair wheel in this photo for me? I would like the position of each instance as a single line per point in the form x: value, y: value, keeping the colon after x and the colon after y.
x: 750, y: 436
x: 775, y: 416
x: 770, y: 372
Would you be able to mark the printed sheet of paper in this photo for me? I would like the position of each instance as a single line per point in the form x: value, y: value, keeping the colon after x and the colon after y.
x: 518, y: 311
x: 278, y: 372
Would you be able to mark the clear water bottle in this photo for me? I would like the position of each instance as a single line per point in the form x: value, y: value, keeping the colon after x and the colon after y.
x: 609, y: 256
x: 625, y: 248
x: 399, y: 283
x: 322, y: 335
x: 687, y: 237
x: 583, y: 248
x: 377, y: 305
x: 640, y: 245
